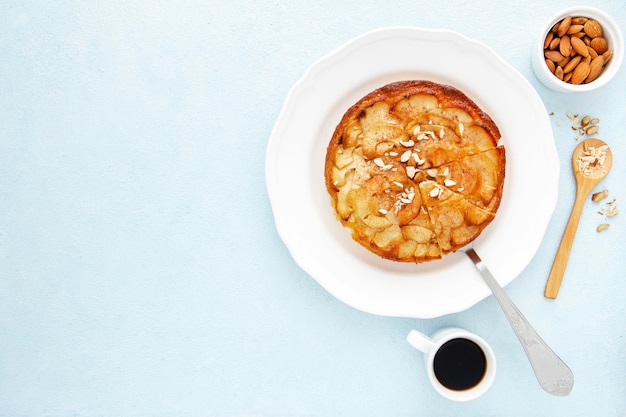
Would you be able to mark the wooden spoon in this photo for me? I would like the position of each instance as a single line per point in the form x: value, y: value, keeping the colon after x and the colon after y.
x: 591, y: 161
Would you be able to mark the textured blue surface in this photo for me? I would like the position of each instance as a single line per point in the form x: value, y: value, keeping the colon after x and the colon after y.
x: 140, y: 270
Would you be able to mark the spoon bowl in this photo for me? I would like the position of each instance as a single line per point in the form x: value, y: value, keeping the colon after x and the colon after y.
x: 591, y: 162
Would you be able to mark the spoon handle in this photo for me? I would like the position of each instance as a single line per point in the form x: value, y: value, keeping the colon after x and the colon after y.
x: 565, y: 247
x: 553, y: 374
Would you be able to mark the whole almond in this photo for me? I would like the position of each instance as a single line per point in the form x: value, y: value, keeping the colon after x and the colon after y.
x: 546, y: 42
x: 574, y: 29
x: 607, y: 55
x: 564, y: 26
x: 551, y: 66
x: 573, y: 63
x: 592, y: 52
x: 559, y: 73
x: 554, y: 56
x: 599, y: 44
x: 567, y: 77
x: 554, y: 43
x: 595, y: 69
x: 580, y: 73
x: 591, y: 28
x: 579, y: 20
x: 565, y: 46
x: 579, y: 46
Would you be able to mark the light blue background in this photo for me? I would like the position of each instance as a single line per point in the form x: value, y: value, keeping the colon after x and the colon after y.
x: 140, y: 270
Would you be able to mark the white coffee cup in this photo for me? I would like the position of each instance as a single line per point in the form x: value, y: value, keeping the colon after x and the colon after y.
x: 460, y: 365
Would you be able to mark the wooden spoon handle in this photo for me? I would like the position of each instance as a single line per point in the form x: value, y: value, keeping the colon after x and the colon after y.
x: 562, y: 255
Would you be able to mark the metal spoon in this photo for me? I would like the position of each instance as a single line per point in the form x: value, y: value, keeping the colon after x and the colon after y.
x: 553, y: 374
x: 591, y: 162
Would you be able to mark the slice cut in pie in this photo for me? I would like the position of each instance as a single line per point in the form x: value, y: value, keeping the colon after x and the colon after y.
x: 456, y: 220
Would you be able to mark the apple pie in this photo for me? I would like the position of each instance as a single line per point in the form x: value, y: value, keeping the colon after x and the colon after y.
x: 415, y: 170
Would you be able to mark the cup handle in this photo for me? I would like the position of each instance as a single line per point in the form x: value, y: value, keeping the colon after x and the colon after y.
x: 420, y: 341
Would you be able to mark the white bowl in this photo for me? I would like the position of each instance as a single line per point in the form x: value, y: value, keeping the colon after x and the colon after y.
x: 612, y: 34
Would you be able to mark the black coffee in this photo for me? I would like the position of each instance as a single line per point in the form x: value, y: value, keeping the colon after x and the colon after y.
x: 460, y: 364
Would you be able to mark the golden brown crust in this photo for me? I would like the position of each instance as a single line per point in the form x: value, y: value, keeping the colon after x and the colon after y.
x: 394, y: 149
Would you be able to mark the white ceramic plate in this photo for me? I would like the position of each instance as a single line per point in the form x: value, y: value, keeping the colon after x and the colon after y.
x: 295, y: 172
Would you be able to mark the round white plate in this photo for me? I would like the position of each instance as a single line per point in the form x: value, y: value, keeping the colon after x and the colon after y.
x: 295, y: 172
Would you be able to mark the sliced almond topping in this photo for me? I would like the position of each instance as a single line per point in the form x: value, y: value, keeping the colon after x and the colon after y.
x: 405, y: 156
x: 432, y: 172
x: 417, y: 159
x: 449, y: 183
x: 379, y: 162
x: 434, y: 193
x: 407, y: 144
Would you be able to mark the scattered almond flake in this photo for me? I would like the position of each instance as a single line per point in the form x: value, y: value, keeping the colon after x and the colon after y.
x: 432, y: 172
x: 383, y: 211
x: 583, y: 126
x: 446, y: 172
x: 460, y: 189
x: 417, y: 130
x: 602, y: 227
x: 461, y: 128
x: 399, y: 184
x: 441, y: 133
x: 387, y: 167
x: 599, y: 196
x: 449, y: 183
x: 335, y: 183
x: 406, y: 200
x: 422, y: 136
x: 405, y: 156
x: 379, y: 162
x: 612, y: 208
x: 411, y: 171
x: 407, y: 144
x: 430, y: 122
x: 393, y: 153
x: 585, y: 121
